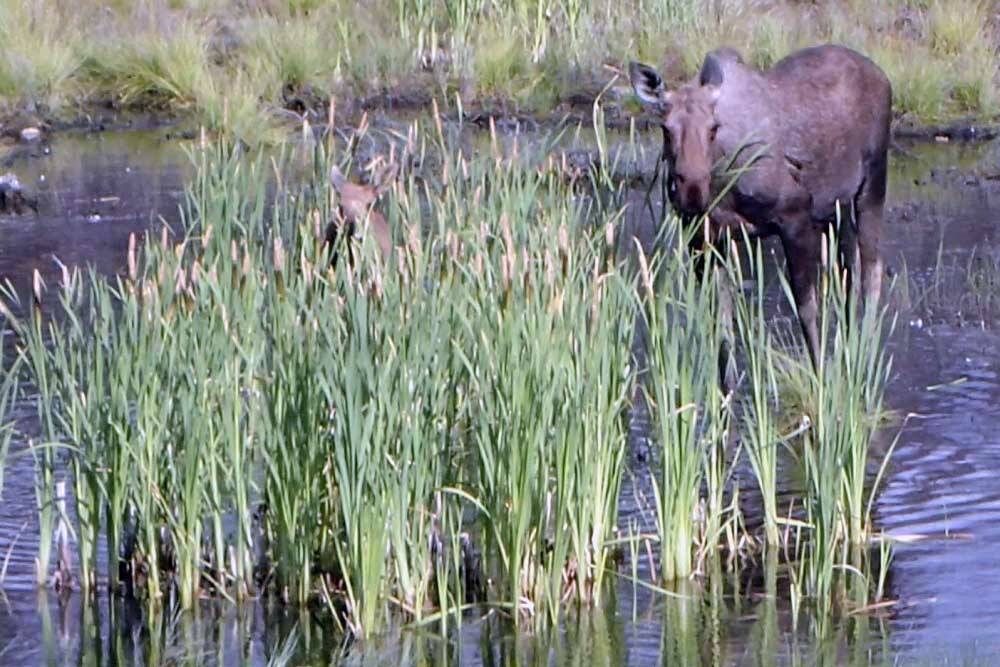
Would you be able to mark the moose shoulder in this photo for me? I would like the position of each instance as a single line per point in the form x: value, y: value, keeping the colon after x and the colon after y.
x: 816, y: 127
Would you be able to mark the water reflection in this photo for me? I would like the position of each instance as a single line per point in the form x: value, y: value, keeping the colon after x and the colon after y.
x: 689, y: 627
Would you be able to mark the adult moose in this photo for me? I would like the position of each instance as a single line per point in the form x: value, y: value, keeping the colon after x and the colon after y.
x: 817, y: 123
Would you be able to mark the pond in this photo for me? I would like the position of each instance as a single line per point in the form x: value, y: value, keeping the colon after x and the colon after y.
x: 940, y: 495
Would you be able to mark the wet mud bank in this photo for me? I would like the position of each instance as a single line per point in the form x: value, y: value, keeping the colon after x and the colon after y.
x: 619, y: 110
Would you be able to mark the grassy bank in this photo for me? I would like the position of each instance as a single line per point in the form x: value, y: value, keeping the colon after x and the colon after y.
x: 249, y: 71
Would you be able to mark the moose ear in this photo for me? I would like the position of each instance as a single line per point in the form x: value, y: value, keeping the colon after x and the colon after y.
x: 646, y: 82
x: 384, y: 178
x: 711, y: 72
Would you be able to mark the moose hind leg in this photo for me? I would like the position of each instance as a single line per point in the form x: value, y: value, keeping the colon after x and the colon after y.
x: 847, y: 249
x: 869, y: 204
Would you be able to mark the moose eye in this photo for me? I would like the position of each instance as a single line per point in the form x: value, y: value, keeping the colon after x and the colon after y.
x: 712, y: 131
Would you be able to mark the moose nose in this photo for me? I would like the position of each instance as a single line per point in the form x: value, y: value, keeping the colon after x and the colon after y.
x: 695, y: 197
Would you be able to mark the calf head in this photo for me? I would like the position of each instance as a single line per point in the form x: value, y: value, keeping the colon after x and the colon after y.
x: 687, y: 116
x: 356, y: 200
x: 356, y: 204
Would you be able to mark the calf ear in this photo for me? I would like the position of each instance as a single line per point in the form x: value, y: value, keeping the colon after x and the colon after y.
x: 646, y: 82
x: 337, y: 178
x: 384, y: 178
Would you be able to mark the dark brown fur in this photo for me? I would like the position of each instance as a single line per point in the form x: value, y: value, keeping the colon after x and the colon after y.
x: 818, y: 121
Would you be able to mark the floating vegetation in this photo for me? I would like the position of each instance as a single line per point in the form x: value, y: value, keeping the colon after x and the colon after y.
x: 963, y: 289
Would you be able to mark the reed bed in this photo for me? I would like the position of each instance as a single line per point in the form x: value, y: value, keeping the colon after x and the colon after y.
x: 759, y: 417
x: 823, y: 421
x: 831, y: 416
x: 686, y: 333
x: 240, y: 417
x: 400, y: 438
x: 847, y: 395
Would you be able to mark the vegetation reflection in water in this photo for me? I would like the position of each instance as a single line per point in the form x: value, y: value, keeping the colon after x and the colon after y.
x: 442, y: 435
x: 716, y: 625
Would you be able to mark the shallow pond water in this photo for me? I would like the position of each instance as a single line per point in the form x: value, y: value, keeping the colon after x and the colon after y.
x: 941, y: 489
x: 93, y: 191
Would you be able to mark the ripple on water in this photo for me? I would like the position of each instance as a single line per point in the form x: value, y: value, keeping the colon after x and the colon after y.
x: 944, y: 483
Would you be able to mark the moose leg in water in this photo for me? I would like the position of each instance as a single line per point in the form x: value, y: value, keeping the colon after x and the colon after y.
x: 847, y: 249
x: 726, y: 228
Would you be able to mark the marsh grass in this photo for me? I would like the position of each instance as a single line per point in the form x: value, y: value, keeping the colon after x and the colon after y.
x: 685, y: 333
x: 845, y: 408
x: 545, y: 325
x: 836, y: 411
x: 169, y: 66
x: 241, y: 417
x: 296, y: 50
x: 359, y: 410
x: 952, y: 26
x: 562, y: 411
x: 39, y: 56
x: 759, y: 413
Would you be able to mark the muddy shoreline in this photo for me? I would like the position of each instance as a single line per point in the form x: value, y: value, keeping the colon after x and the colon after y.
x: 505, y: 115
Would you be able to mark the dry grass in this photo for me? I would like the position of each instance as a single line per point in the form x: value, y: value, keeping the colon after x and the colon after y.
x: 37, y: 57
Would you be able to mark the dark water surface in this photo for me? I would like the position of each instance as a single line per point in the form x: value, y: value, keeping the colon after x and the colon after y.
x: 943, y: 485
x: 94, y: 190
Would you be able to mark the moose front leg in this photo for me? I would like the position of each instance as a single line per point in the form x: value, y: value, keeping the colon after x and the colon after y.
x: 722, y: 227
x: 719, y: 228
x: 803, y: 242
